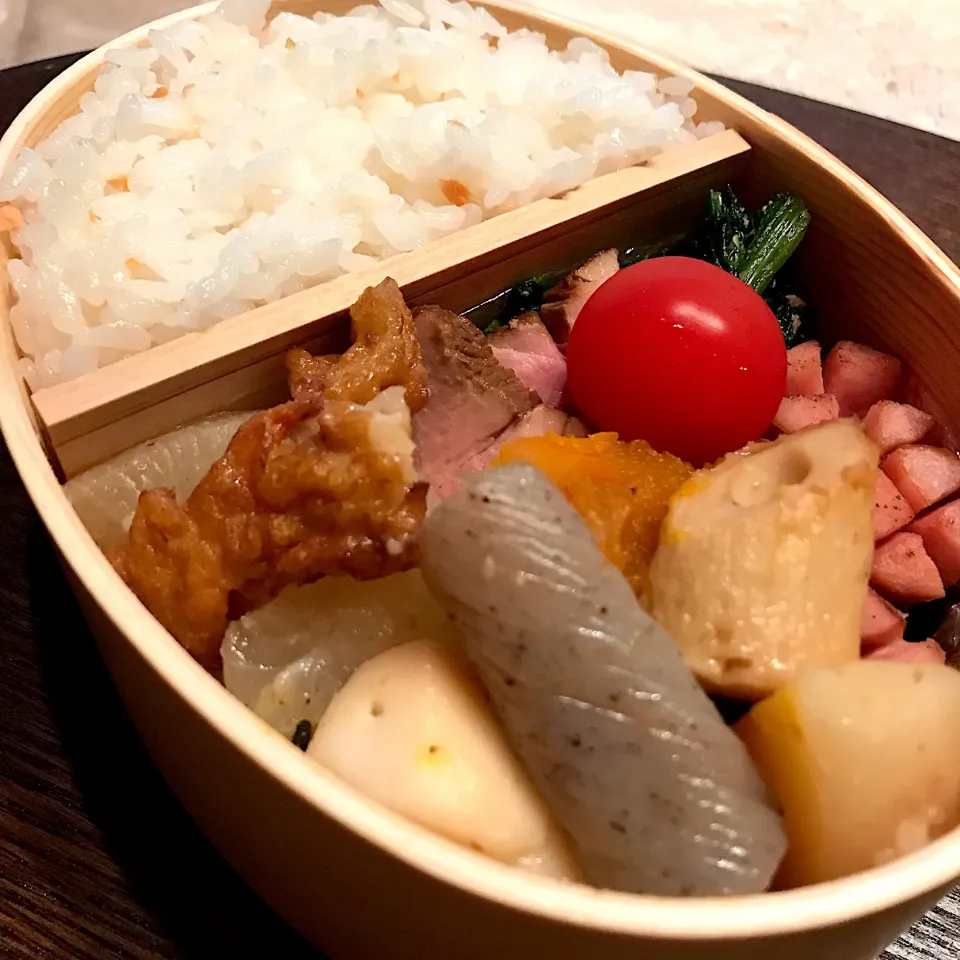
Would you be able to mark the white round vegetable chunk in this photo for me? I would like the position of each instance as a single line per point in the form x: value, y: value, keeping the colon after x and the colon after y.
x: 105, y: 497
x: 411, y: 730
x: 864, y: 762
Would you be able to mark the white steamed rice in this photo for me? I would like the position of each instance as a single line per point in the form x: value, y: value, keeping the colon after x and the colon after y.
x: 232, y: 161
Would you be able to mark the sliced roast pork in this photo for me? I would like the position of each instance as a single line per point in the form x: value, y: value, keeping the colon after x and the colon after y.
x: 562, y: 304
x: 526, y: 348
x: 473, y: 398
x: 537, y: 423
x: 477, y: 404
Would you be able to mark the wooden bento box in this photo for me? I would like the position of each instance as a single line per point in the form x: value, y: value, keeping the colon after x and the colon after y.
x: 354, y: 878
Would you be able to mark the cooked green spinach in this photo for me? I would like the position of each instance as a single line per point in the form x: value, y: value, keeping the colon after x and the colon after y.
x: 780, y: 226
x: 752, y: 245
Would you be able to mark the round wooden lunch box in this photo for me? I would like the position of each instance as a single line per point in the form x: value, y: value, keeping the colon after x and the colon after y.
x: 357, y: 880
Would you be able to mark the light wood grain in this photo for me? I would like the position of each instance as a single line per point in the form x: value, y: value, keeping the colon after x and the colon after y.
x: 238, y: 362
x: 429, y: 899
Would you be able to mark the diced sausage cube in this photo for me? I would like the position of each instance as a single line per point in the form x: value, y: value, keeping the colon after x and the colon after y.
x: 940, y: 530
x: 902, y: 651
x: 891, y: 425
x: 804, y: 370
x: 924, y: 475
x: 915, y: 392
x: 859, y: 376
x: 903, y: 572
x: 892, y: 510
x: 796, y: 413
x: 882, y: 622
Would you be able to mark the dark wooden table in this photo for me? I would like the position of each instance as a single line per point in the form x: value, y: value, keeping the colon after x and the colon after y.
x: 97, y: 857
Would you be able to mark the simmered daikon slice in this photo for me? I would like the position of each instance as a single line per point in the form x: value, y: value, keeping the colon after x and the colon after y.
x: 288, y: 659
x: 105, y: 497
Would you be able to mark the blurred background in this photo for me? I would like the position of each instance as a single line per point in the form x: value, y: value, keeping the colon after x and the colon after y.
x: 898, y: 59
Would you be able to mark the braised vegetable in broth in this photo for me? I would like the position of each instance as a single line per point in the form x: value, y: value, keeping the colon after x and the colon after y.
x: 613, y: 579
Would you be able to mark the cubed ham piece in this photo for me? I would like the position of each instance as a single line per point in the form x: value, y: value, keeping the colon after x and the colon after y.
x: 859, y: 376
x: 917, y: 394
x: 563, y: 303
x: 473, y: 398
x: 795, y: 413
x: 891, y: 425
x: 526, y: 348
x: 804, y: 370
x: 902, y: 651
x: 883, y: 623
x: 940, y: 530
x: 924, y: 475
x: 892, y: 511
x: 903, y: 571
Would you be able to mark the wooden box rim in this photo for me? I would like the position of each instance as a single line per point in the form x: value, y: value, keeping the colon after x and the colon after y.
x: 651, y: 917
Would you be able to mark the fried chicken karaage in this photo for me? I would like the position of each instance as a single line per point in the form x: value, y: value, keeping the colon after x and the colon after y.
x: 384, y: 353
x: 322, y: 485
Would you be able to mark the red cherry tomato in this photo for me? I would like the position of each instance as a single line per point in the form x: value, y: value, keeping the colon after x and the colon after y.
x: 681, y: 354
